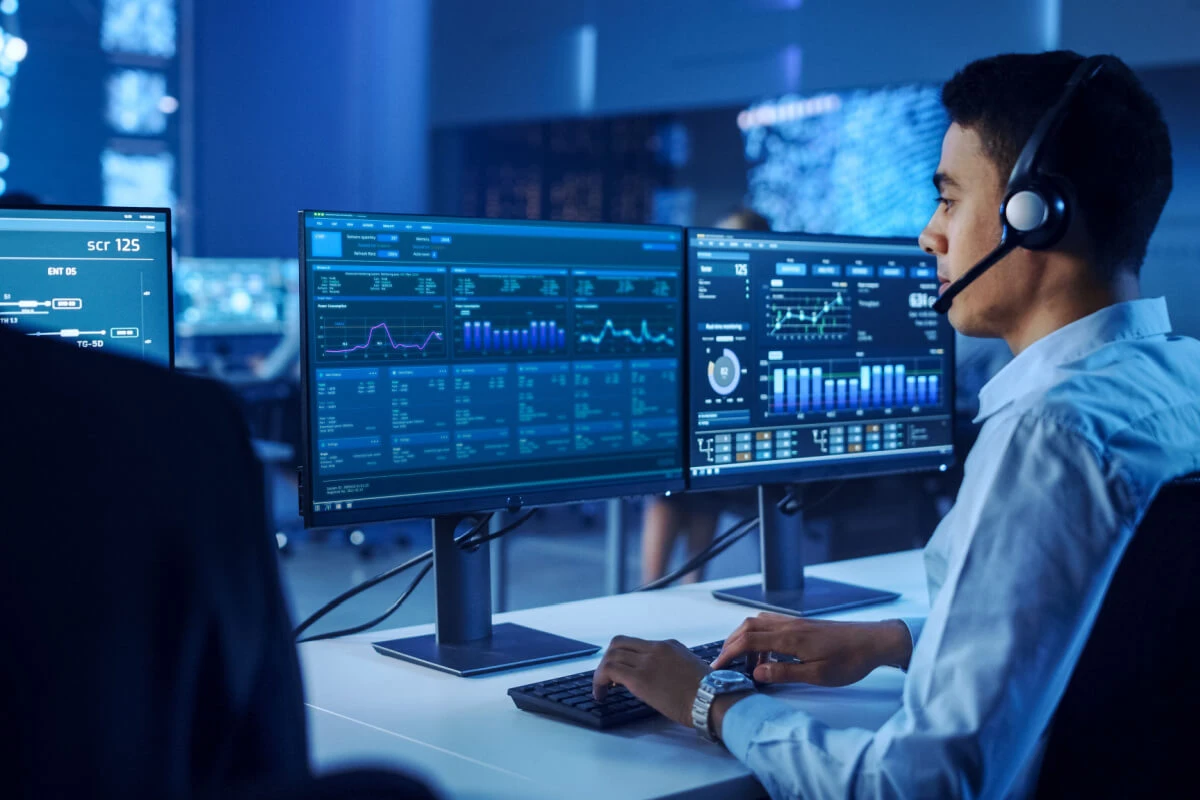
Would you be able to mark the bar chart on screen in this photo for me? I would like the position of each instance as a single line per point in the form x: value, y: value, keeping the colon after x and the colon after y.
x: 853, y: 385
x: 488, y: 330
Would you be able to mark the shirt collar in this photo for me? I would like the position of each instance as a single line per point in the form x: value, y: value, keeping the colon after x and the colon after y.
x: 1035, y: 366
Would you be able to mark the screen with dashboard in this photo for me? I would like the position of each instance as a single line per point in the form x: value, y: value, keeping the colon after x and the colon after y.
x: 97, y: 277
x: 235, y: 296
x: 455, y: 365
x: 814, y: 357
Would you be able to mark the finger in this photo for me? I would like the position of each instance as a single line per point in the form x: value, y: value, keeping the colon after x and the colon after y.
x: 738, y: 631
x: 723, y: 659
x: 732, y: 648
x: 629, y: 643
x: 763, y: 622
x: 661, y: 649
x: 610, y: 671
x: 748, y: 624
x: 789, y: 673
x: 751, y: 642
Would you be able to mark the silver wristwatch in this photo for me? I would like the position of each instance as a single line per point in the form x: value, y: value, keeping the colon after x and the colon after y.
x: 715, y: 684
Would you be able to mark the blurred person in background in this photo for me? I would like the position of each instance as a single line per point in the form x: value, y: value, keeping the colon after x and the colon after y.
x: 696, y: 515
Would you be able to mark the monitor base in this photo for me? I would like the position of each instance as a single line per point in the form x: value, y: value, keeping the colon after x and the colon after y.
x: 818, y: 596
x: 509, y: 647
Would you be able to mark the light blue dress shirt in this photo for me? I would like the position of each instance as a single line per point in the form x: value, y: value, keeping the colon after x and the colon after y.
x: 1080, y: 432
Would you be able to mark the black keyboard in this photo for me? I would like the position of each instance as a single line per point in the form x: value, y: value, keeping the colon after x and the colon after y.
x: 570, y: 697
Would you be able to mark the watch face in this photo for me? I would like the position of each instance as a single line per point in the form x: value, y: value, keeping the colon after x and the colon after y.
x: 726, y: 677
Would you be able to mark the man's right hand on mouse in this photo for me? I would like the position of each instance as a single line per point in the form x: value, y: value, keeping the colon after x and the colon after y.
x: 827, y: 653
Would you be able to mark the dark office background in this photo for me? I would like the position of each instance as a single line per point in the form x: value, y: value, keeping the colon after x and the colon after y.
x: 237, y: 114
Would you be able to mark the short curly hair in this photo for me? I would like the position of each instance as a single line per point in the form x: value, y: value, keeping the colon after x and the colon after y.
x: 1113, y: 146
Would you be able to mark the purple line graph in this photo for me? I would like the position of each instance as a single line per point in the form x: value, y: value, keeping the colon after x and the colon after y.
x: 343, y: 338
x: 395, y: 345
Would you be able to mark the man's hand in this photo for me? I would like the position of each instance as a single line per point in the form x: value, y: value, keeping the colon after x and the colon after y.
x: 828, y: 653
x: 663, y: 675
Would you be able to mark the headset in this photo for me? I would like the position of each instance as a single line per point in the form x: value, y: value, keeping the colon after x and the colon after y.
x: 1036, y: 212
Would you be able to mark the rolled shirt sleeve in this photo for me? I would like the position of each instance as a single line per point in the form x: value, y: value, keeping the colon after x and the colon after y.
x: 1038, y: 531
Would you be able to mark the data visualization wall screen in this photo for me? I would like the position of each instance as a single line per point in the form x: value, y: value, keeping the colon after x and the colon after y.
x: 458, y: 364
x: 235, y: 296
x: 100, y: 278
x: 814, y: 357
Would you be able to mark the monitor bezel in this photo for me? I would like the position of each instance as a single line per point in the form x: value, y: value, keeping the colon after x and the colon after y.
x: 793, y: 474
x: 488, y: 500
x: 170, y: 365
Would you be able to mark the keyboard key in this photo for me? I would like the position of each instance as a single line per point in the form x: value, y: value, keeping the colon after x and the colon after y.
x: 569, y: 697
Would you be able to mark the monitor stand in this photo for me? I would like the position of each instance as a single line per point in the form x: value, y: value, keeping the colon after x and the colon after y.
x: 466, y: 642
x: 785, y: 589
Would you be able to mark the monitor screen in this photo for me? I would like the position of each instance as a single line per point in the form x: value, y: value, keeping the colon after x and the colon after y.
x: 98, y: 277
x: 233, y: 296
x: 814, y: 357
x: 455, y: 365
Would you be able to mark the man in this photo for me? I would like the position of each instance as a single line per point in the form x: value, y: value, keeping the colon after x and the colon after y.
x: 148, y: 647
x: 148, y: 650
x: 1098, y: 409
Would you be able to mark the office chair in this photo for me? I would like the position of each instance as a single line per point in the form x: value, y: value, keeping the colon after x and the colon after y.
x: 1126, y: 724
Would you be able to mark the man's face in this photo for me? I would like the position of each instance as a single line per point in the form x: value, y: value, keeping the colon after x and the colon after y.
x: 965, y: 228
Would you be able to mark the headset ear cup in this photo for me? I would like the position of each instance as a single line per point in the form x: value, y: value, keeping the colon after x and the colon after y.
x: 1025, y: 210
x: 1050, y: 208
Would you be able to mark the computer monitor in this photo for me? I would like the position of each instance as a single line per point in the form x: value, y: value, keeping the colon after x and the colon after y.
x: 455, y: 365
x: 238, y: 319
x: 812, y: 358
x: 235, y: 296
x: 98, y: 277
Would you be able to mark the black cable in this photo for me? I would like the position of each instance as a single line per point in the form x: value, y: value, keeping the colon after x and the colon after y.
x: 380, y: 578
x: 719, y: 545
x: 368, y: 625
x: 790, y: 504
x: 465, y: 541
x: 471, y: 545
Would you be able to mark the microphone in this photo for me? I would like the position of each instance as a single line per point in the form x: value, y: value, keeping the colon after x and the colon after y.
x: 1006, y: 246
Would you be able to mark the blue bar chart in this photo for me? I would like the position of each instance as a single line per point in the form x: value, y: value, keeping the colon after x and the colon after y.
x: 491, y: 329
x: 855, y: 385
x: 540, y: 336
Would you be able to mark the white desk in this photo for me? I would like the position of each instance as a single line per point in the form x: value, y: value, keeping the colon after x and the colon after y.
x: 468, y: 737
